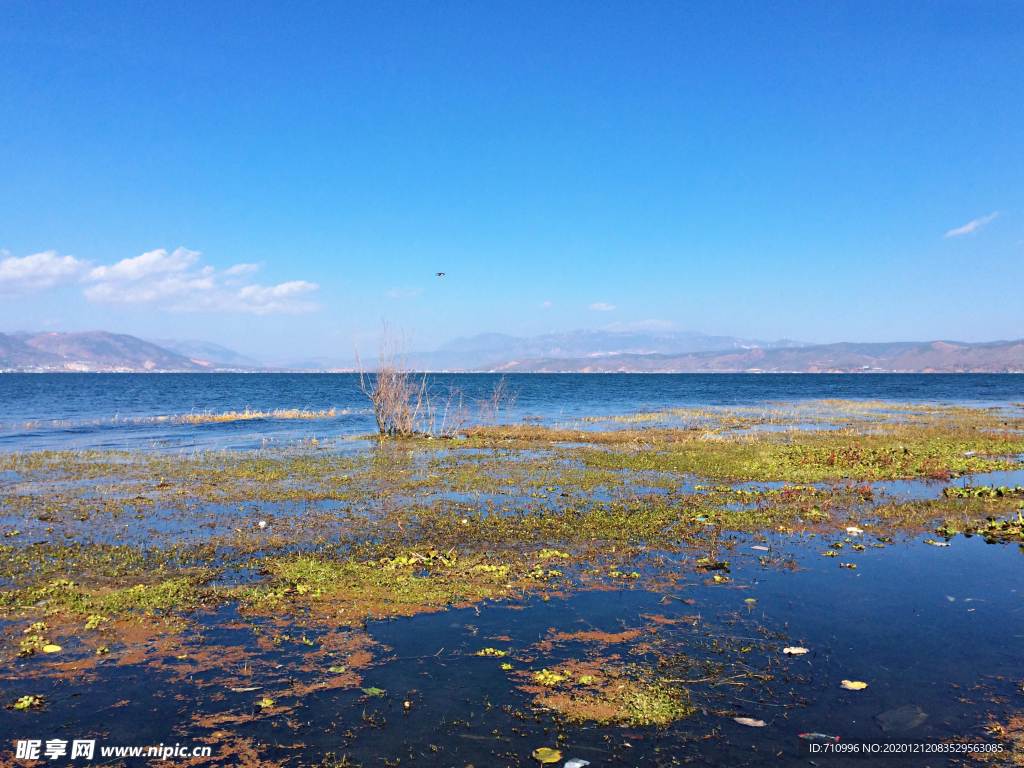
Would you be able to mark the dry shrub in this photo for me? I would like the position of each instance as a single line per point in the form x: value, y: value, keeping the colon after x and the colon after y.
x: 404, y: 402
x: 396, y: 395
x: 502, y: 398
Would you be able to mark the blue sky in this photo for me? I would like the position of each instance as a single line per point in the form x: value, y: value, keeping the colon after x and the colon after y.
x: 276, y: 177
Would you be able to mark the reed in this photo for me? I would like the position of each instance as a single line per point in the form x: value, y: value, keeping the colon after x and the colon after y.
x: 248, y: 414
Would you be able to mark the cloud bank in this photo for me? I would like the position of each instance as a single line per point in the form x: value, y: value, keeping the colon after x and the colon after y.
x: 173, y: 282
x: 971, y: 227
x: 603, y: 307
x: 38, y: 272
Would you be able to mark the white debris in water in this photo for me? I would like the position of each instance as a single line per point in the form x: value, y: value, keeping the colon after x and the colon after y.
x: 263, y: 524
x: 853, y: 530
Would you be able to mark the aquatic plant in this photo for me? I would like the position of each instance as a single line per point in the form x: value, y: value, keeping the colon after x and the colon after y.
x: 116, y: 544
x: 248, y: 415
x: 29, y: 702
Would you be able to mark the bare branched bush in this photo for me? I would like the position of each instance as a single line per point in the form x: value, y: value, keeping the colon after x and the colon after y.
x: 395, y: 391
x: 445, y: 413
x: 405, y: 403
x: 501, y: 398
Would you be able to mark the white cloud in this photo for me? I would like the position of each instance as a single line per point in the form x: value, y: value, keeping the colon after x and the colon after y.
x: 157, y: 262
x: 253, y: 299
x: 149, y: 290
x: 971, y: 227
x: 403, y: 293
x: 545, y: 304
x: 603, y: 307
x: 38, y: 272
x: 173, y: 282
x: 243, y: 269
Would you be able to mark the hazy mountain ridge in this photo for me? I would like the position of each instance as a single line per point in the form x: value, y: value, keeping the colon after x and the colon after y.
x: 843, y: 357
x: 195, y: 349
x: 16, y: 354
x: 90, y: 351
x: 487, y: 349
x: 575, y: 352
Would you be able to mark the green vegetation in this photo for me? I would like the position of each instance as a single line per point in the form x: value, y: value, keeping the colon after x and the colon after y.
x: 254, y: 576
x: 405, y: 525
x: 64, y: 595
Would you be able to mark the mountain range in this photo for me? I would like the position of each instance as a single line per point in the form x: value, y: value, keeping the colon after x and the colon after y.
x: 897, y: 357
x: 573, y: 352
x: 91, y: 351
x: 492, y: 349
x: 209, y: 352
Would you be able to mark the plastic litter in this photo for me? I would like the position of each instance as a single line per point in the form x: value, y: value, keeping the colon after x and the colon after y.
x: 818, y: 737
x: 576, y: 763
x: 794, y: 650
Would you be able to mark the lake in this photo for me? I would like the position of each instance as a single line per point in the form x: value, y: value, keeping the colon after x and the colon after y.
x: 625, y: 570
x: 117, y: 410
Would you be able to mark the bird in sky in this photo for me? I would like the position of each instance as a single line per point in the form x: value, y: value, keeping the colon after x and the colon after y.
x: 440, y: 274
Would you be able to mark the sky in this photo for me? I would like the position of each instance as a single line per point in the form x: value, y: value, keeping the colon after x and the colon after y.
x: 277, y: 177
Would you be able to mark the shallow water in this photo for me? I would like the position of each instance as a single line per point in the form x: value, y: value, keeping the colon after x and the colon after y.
x: 946, y: 638
x: 41, y: 411
x: 935, y: 628
x: 930, y: 489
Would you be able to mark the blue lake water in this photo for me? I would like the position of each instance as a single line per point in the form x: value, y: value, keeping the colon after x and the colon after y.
x: 934, y: 630
x: 102, y: 410
x: 937, y: 630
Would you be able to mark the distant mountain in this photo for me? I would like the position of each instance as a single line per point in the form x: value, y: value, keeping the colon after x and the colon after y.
x: 16, y: 354
x: 897, y: 357
x: 575, y: 352
x: 315, y: 364
x: 209, y: 352
x: 492, y: 348
x: 92, y: 351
